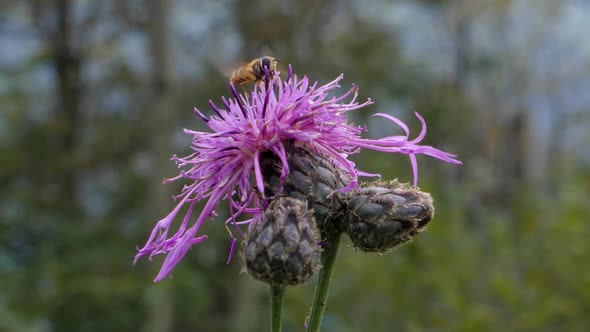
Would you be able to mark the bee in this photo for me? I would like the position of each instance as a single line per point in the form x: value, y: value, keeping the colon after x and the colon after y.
x: 254, y: 70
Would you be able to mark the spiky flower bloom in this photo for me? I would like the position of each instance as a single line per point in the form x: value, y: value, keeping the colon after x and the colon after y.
x: 228, y: 157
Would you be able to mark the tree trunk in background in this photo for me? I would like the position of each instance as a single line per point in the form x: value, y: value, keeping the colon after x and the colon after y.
x: 459, y: 25
x: 62, y: 141
x: 511, y: 158
x: 554, y: 151
x: 158, y: 298
x: 67, y: 64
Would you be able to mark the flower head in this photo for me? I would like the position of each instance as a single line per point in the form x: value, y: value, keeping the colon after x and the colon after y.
x: 225, y: 164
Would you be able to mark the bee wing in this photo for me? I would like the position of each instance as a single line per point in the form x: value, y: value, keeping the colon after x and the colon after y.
x: 227, y: 69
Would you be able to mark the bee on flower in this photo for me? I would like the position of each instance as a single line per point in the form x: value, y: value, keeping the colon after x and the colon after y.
x: 253, y: 136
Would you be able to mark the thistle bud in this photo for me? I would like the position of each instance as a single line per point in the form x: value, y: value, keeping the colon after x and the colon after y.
x: 283, y: 245
x: 383, y: 215
x: 313, y: 178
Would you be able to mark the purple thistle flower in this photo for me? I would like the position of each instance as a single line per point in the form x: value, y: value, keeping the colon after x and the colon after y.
x: 226, y: 157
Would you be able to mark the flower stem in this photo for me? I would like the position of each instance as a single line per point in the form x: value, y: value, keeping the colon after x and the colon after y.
x: 321, y: 290
x: 276, y: 303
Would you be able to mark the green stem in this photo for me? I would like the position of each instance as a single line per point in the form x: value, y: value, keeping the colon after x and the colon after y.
x: 276, y: 303
x: 321, y: 290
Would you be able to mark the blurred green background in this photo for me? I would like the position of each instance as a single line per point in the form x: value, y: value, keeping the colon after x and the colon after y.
x: 94, y: 96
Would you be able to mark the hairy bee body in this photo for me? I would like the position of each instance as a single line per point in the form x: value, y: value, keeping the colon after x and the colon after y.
x: 254, y: 70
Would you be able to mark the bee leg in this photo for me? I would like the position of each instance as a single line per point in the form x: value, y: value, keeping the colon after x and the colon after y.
x: 243, y: 89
